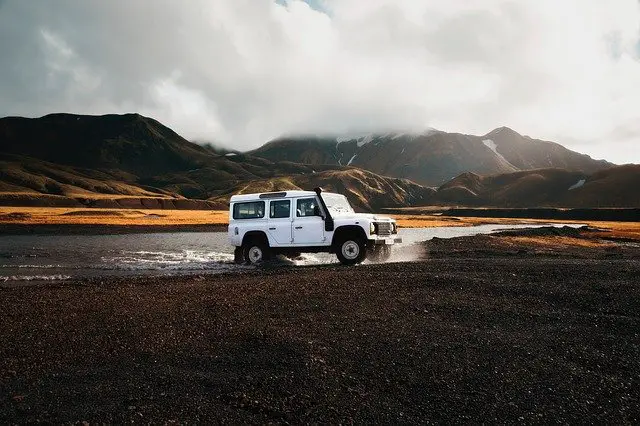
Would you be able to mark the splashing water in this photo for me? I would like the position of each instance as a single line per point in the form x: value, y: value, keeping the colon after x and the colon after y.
x: 169, y: 260
x: 33, y: 258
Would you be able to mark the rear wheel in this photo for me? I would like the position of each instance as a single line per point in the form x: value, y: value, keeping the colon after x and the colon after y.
x: 255, y: 252
x: 351, y: 250
x: 238, y: 255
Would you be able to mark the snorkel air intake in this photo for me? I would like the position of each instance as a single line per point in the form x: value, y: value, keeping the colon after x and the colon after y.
x: 328, y: 221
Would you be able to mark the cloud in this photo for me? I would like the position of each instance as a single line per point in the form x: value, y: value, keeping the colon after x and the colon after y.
x: 240, y: 72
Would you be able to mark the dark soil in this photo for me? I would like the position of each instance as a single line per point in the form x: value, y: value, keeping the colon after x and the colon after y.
x: 501, y: 244
x: 630, y: 214
x: 93, y: 213
x: 547, y: 231
x: 504, y: 339
x: 14, y: 216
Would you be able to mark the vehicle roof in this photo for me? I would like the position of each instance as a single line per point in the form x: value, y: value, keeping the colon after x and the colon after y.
x: 286, y: 194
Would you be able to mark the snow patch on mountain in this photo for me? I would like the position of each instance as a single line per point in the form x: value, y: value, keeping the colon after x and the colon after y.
x: 578, y: 184
x: 351, y: 160
x: 353, y: 137
x: 491, y: 145
x: 494, y: 147
x: 413, y: 135
x: 367, y: 139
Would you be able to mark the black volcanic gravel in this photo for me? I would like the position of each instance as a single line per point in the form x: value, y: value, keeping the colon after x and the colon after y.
x: 535, y: 340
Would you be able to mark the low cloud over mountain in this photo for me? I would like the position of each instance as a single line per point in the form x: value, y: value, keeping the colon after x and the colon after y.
x: 240, y: 72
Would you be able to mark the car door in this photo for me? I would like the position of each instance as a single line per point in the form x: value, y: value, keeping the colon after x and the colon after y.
x: 280, y: 221
x: 308, y: 225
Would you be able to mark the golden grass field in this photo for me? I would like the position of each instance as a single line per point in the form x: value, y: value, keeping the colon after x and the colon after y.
x: 125, y: 217
x: 98, y: 216
x: 557, y: 242
x: 142, y: 217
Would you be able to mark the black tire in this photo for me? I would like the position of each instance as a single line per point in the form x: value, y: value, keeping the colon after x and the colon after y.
x: 255, y: 252
x: 379, y: 254
x: 351, y: 250
x: 238, y: 255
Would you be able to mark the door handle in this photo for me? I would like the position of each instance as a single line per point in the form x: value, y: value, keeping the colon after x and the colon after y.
x: 298, y: 227
x: 272, y: 229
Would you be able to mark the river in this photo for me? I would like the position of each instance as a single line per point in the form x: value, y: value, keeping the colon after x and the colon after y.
x: 31, y: 259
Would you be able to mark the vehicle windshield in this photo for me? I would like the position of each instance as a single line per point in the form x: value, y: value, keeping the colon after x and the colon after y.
x: 337, y: 203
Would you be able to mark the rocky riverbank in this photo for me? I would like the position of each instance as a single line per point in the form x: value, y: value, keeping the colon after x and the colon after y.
x: 503, y: 338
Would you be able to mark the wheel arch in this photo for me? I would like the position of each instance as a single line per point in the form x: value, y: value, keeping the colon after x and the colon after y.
x: 348, y: 230
x: 255, y: 235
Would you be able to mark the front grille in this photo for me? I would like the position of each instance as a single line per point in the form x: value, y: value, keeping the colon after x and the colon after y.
x: 384, y: 228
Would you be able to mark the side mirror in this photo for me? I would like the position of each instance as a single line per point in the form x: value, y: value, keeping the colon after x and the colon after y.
x: 316, y: 211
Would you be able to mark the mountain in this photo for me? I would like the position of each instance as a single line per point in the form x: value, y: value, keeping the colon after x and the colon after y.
x: 525, y: 153
x: 130, y: 143
x: 365, y: 190
x: 134, y: 161
x: 613, y: 187
x: 431, y: 157
x: 518, y: 189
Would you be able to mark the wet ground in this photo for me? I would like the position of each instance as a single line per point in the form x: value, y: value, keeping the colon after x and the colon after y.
x: 515, y: 336
x: 41, y: 259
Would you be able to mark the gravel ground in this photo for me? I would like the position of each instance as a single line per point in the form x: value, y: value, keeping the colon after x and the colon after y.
x: 455, y: 340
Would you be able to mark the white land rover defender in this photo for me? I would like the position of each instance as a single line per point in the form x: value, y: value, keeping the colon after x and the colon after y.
x: 293, y: 222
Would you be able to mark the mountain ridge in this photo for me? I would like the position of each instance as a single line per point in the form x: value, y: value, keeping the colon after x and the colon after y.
x: 135, y: 161
x: 431, y: 157
x: 68, y: 160
x: 130, y: 142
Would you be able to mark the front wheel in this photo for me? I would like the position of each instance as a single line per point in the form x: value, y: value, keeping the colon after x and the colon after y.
x: 379, y: 253
x: 351, y: 251
x: 255, y: 252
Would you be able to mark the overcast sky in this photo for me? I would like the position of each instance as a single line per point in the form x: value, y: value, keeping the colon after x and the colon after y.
x: 241, y: 72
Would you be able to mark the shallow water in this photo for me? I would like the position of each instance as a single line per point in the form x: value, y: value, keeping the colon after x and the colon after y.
x: 30, y: 259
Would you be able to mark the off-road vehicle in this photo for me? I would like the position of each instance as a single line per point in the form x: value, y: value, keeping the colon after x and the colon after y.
x: 294, y: 222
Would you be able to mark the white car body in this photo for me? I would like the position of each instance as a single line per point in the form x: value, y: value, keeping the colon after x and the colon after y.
x: 304, y: 221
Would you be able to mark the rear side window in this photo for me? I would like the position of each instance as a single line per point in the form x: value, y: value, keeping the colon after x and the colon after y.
x: 250, y: 210
x: 280, y: 209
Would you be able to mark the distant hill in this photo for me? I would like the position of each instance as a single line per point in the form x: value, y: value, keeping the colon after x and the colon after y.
x: 365, y: 190
x: 130, y: 143
x: 614, y: 187
x: 432, y: 157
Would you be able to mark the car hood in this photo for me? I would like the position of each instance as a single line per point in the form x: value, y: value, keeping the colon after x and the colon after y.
x: 356, y: 216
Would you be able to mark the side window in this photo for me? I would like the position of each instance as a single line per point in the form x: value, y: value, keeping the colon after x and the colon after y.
x: 280, y: 209
x: 250, y: 210
x: 307, y: 207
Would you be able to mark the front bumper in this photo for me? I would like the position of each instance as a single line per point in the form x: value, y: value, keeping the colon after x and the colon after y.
x: 386, y: 241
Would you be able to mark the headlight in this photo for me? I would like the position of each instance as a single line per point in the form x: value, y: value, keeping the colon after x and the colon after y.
x: 372, y: 228
x: 394, y: 228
